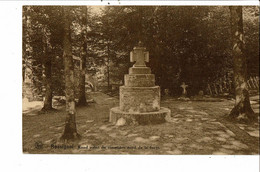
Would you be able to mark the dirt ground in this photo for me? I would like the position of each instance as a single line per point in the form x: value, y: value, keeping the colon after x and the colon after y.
x: 196, y: 128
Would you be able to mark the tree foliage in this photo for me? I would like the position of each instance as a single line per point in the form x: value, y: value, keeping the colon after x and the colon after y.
x: 190, y: 44
x: 186, y: 44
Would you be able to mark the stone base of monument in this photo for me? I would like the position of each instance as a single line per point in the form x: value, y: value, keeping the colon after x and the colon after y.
x: 145, y: 118
x: 139, y: 100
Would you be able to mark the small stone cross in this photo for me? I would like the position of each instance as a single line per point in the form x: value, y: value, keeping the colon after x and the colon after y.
x: 139, y: 55
x: 183, y: 86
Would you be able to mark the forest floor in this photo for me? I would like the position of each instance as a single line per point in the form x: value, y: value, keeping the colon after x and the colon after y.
x: 197, y: 128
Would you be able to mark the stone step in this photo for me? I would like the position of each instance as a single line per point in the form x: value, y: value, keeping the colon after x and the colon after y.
x: 139, y: 99
x: 139, y: 80
x: 139, y: 70
x: 145, y: 118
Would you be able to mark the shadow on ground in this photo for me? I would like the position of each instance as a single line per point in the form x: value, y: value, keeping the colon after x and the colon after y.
x: 196, y: 127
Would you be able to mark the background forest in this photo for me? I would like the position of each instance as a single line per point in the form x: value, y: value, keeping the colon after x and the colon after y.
x: 190, y: 44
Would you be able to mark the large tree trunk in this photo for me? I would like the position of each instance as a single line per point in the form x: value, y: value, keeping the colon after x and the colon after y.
x: 24, y: 38
x: 70, y: 130
x: 47, y: 60
x: 48, y: 84
x: 108, y: 65
x: 82, y: 93
x: 242, y: 109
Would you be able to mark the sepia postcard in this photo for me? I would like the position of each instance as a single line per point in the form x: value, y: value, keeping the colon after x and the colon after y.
x: 141, y: 80
x: 114, y: 78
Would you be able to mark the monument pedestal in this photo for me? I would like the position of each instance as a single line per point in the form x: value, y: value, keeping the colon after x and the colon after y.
x: 139, y: 118
x: 139, y: 98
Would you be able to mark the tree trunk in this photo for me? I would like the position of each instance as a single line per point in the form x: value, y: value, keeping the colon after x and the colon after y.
x: 46, y: 60
x: 139, y: 24
x: 70, y: 130
x: 108, y: 63
x: 82, y: 93
x: 48, y: 85
x: 242, y: 109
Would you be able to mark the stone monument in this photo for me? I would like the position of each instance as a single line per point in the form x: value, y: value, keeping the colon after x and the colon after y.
x: 139, y: 101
